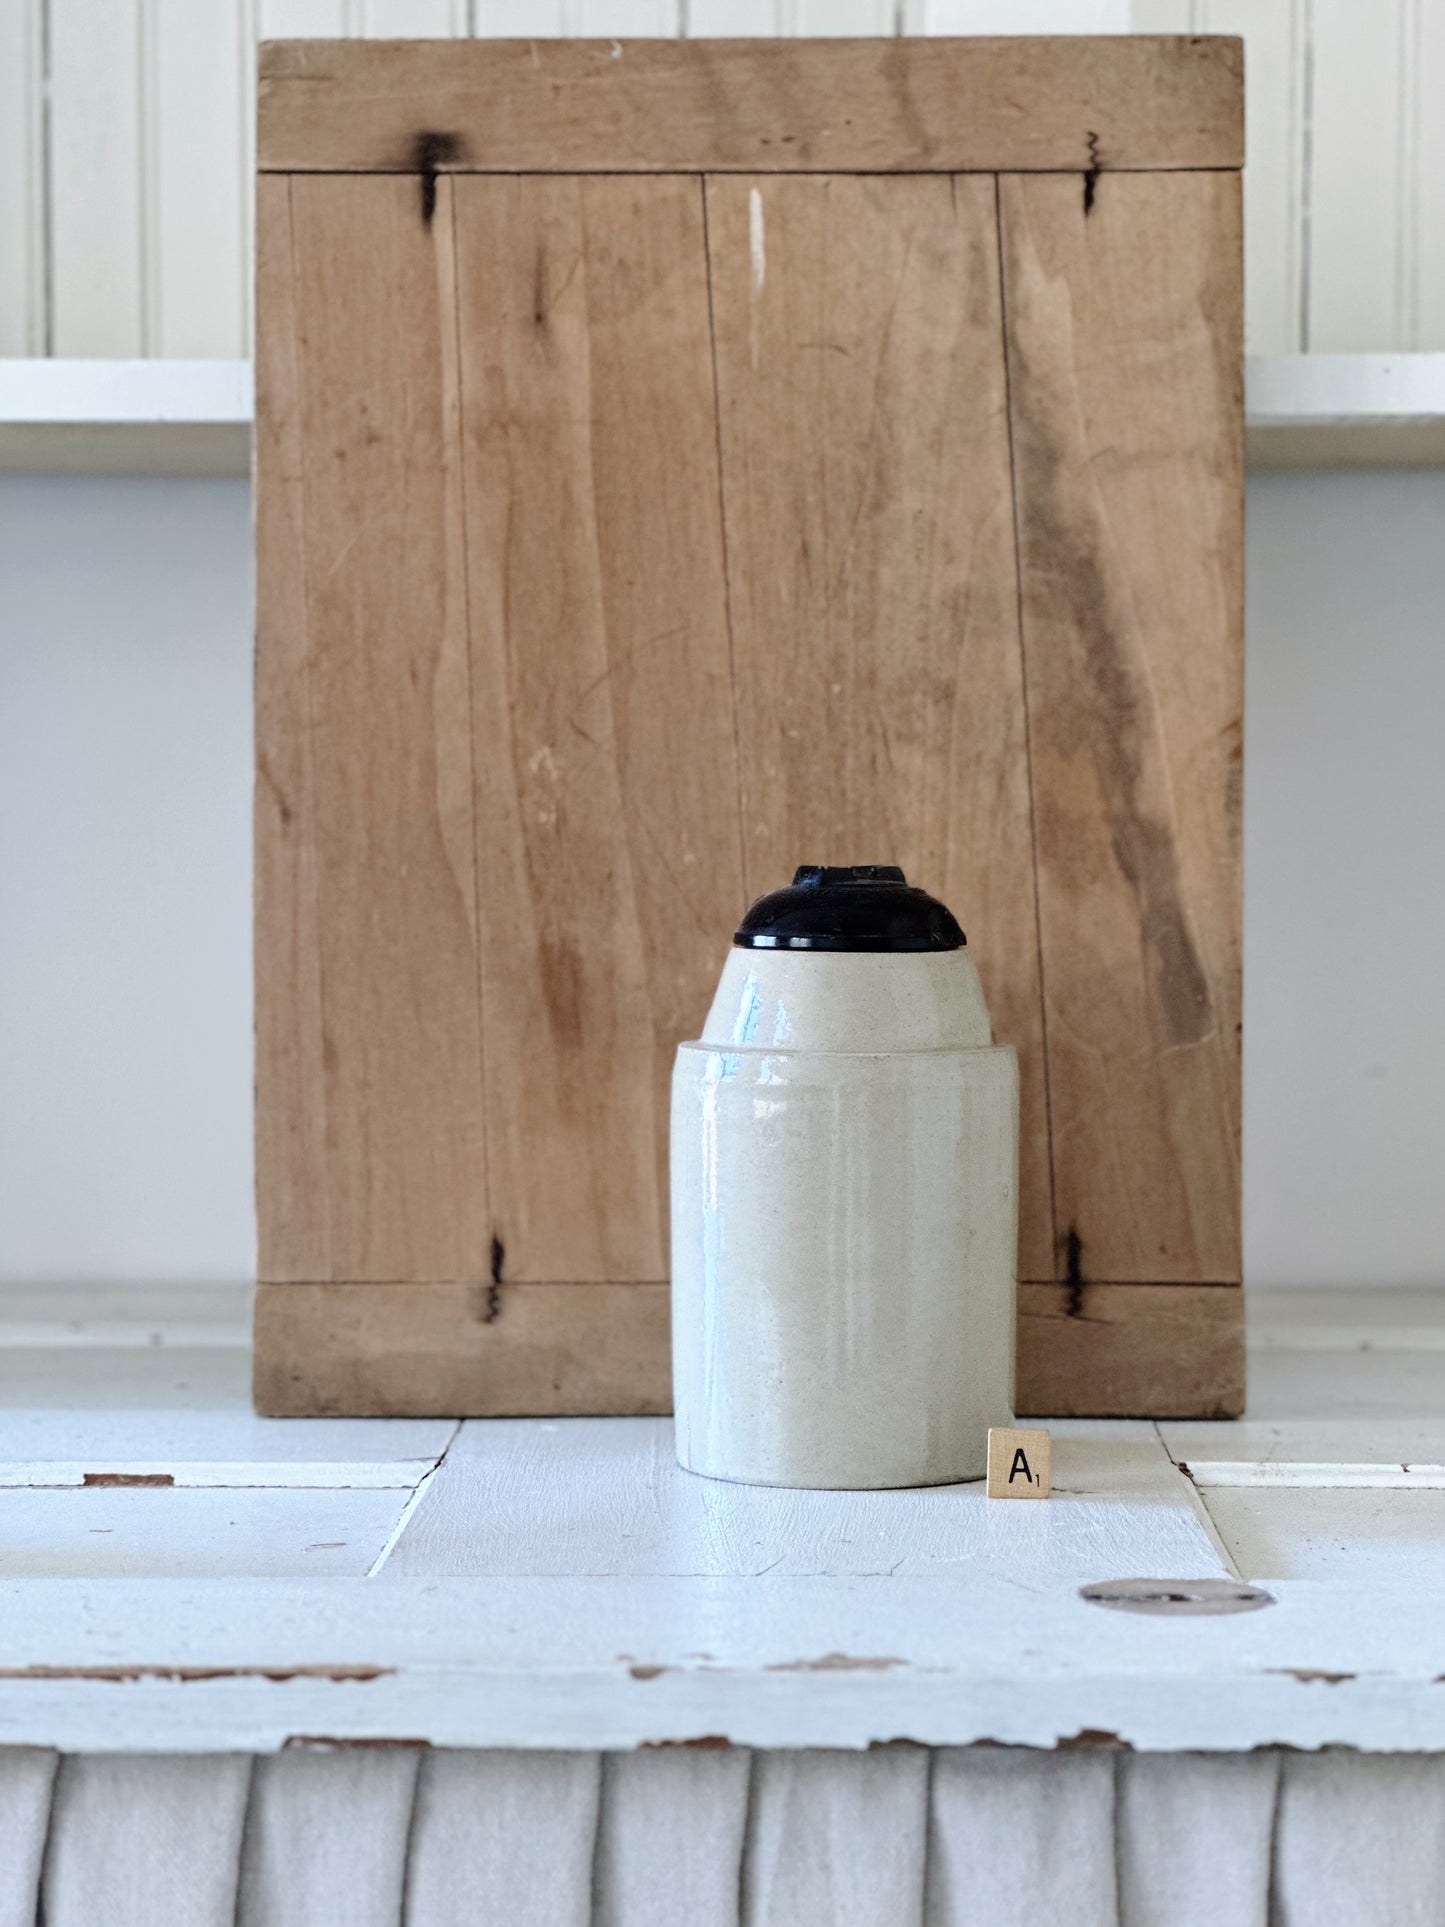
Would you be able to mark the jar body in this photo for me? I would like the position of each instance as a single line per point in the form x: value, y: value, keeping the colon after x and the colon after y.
x: 843, y: 1255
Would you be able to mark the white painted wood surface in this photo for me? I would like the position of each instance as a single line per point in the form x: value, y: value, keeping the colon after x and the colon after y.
x: 150, y: 105
x: 108, y: 1532
x: 122, y: 390
x: 562, y: 1583
x: 22, y: 179
x: 538, y: 1497
x: 1426, y: 228
x: 1335, y: 1533
x: 197, y: 178
x: 211, y: 1665
x: 156, y: 1385
x: 1361, y: 129
x: 97, y: 278
x: 1275, y: 130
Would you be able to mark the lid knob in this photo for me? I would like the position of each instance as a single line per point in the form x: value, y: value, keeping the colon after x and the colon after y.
x: 858, y: 906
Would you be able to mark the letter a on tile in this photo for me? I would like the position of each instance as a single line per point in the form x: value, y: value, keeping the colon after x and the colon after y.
x: 1018, y: 1462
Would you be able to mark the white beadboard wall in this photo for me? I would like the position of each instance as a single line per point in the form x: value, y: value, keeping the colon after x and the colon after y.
x: 126, y: 148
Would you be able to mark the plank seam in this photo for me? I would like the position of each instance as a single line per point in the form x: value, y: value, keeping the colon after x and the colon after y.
x: 314, y: 865
x: 461, y: 446
x: 744, y: 169
x: 723, y: 527
x: 1199, y: 1505
x: 414, y: 1499
x: 1028, y: 726
x: 1139, y: 1284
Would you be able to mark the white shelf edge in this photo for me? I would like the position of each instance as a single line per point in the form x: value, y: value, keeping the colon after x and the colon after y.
x: 1318, y: 411
x: 1306, y: 391
x: 97, y: 393
x: 157, y: 417
x: 194, y: 417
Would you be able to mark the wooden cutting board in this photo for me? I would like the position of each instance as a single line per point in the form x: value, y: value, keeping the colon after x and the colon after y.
x: 677, y: 461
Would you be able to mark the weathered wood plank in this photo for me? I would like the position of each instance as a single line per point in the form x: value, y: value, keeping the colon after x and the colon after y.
x: 293, y: 1189
x: 402, y: 1190
x: 929, y: 105
x: 1136, y: 1351
x: 451, y: 1350
x: 871, y: 560
x: 1123, y: 306
x: 609, y: 861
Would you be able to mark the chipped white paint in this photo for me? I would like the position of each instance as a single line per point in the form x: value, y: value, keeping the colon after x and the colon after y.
x: 201, y: 1666
x: 562, y: 1583
x: 757, y: 239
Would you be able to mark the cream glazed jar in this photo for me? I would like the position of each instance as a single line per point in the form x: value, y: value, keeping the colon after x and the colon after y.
x: 844, y: 1198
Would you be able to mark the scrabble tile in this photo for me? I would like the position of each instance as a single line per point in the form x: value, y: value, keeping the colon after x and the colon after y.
x: 1018, y: 1462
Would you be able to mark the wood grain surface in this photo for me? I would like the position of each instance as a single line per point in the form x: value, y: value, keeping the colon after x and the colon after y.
x: 602, y: 708
x: 373, y: 641
x: 872, y: 572
x: 867, y: 105
x: 1124, y: 308
x: 293, y: 1186
x: 458, y: 1350
x: 1145, y: 1351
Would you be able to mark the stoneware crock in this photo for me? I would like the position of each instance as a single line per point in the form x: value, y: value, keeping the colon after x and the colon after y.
x: 844, y: 1198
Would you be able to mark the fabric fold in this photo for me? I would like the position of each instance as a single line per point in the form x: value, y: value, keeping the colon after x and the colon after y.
x: 897, y: 1836
x: 836, y: 1837
x: 1017, y: 1837
x: 27, y: 1778
x: 670, y: 1838
x: 1360, y: 1841
x: 504, y: 1838
x: 1194, y: 1838
x: 326, y: 1839
x: 139, y: 1839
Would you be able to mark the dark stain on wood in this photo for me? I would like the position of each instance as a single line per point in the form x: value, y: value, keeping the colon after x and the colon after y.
x: 559, y: 967
x: 1074, y: 1272
x: 128, y: 1478
x: 431, y: 151
x: 188, y: 1675
x: 492, y: 1309
x: 327, y: 1743
x: 1111, y: 712
x: 836, y: 1663
x: 705, y: 1742
x: 1091, y: 173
